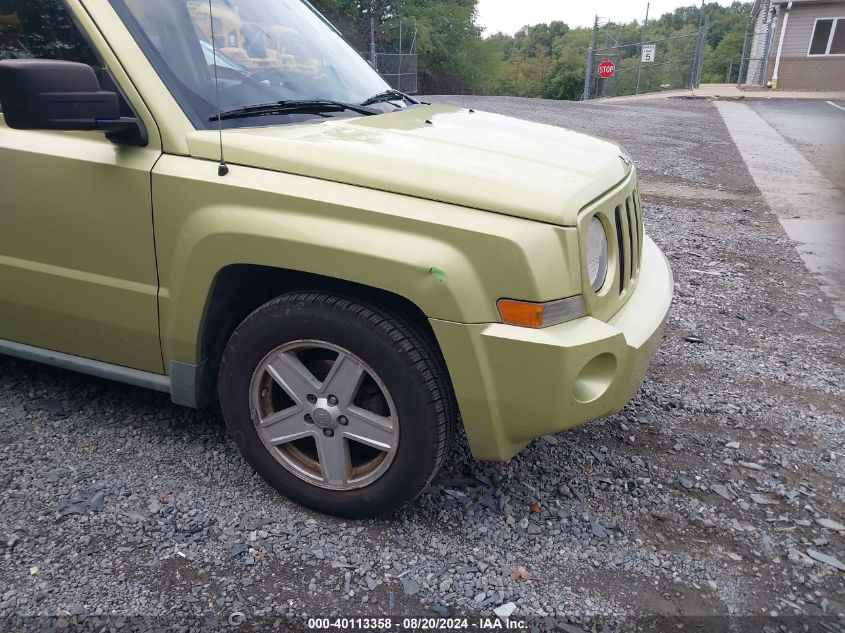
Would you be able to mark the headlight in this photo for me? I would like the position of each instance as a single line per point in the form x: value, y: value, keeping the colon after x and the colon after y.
x: 596, y: 254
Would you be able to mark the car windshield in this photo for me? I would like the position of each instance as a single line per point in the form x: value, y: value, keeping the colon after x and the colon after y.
x: 259, y: 51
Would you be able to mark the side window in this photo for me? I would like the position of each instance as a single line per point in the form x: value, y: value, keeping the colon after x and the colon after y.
x: 43, y: 29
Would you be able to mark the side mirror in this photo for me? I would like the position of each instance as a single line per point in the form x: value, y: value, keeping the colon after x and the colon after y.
x: 38, y: 94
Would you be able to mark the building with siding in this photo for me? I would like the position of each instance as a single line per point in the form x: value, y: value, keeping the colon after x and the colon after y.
x: 798, y: 45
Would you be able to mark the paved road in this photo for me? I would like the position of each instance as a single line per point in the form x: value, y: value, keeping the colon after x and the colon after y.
x: 816, y: 128
x: 795, y: 151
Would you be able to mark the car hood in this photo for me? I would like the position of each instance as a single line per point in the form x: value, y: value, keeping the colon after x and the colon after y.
x: 473, y: 159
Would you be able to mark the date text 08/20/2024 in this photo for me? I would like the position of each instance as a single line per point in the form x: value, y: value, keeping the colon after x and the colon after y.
x: 415, y: 624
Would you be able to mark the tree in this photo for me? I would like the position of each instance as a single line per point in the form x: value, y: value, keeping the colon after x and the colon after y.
x: 43, y: 29
x: 540, y: 60
x: 452, y: 54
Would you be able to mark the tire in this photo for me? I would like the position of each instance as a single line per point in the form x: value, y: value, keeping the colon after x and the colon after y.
x: 363, y: 452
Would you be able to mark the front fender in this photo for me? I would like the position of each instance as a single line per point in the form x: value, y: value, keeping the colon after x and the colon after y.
x: 453, y: 263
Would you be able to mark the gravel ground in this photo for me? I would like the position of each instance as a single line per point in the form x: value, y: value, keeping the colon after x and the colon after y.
x: 718, y: 491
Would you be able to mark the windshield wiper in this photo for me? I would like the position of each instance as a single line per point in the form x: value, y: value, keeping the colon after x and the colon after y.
x: 389, y: 95
x: 315, y: 106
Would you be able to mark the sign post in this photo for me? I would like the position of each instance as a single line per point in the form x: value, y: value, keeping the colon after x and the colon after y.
x: 642, y: 40
x: 588, y: 76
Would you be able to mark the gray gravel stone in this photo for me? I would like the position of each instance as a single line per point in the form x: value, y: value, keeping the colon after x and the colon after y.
x: 166, y: 519
x: 830, y: 524
x: 826, y: 559
x: 410, y: 586
x: 723, y: 491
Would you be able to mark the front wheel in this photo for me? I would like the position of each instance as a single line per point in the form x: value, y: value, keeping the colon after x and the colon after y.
x: 339, y: 405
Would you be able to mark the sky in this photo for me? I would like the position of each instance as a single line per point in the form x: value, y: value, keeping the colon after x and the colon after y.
x: 509, y: 16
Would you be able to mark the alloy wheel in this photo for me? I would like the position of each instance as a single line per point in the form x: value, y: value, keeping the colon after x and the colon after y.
x: 324, y: 415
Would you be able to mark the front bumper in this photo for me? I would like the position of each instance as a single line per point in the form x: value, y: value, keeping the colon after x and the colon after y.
x: 514, y: 384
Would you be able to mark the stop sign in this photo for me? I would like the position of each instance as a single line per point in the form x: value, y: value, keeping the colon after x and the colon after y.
x: 607, y: 69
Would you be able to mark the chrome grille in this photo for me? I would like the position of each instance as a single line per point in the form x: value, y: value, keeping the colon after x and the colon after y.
x: 620, y: 212
x: 628, y: 223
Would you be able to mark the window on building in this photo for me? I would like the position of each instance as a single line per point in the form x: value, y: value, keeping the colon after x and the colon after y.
x: 837, y: 42
x: 828, y: 37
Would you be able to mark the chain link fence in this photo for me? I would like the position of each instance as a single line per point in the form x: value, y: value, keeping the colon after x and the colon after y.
x: 654, y: 65
x: 756, y: 50
x: 675, y: 65
x: 392, y: 50
x: 399, y: 70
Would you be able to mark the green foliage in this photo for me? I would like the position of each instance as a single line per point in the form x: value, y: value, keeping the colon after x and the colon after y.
x: 45, y: 31
x: 452, y: 54
x: 725, y: 39
x: 541, y: 60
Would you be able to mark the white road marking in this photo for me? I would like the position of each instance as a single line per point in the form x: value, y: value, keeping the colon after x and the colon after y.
x: 836, y: 105
x: 809, y: 206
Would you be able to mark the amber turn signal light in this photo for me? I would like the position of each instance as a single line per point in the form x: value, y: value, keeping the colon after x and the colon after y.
x: 537, y: 315
x: 522, y: 313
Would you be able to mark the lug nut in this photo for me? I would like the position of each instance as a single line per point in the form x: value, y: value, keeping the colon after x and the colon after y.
x: 328, y: 433
x: 308, y: 419
x: 333, y: 400
x: 311, y: 398
x: 342, y: 420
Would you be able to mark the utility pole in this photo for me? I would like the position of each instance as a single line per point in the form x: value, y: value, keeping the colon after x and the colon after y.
x: 730, y: 71
x: 699, y: 49
x: 588, y: 74
x: 588, y: 84
x: 702, y: 49
x: 373, y: 59
x: 399, y: 85
x: 744, y: 50
x: 642, y: 41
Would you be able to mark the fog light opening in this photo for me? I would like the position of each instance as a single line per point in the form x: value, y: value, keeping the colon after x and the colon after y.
x: 595, y: 378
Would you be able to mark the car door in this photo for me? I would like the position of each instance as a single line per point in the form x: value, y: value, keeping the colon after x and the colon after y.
x: 77, y: 257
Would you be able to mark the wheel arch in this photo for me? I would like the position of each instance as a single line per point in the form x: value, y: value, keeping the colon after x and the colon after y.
x: 240, y: 289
